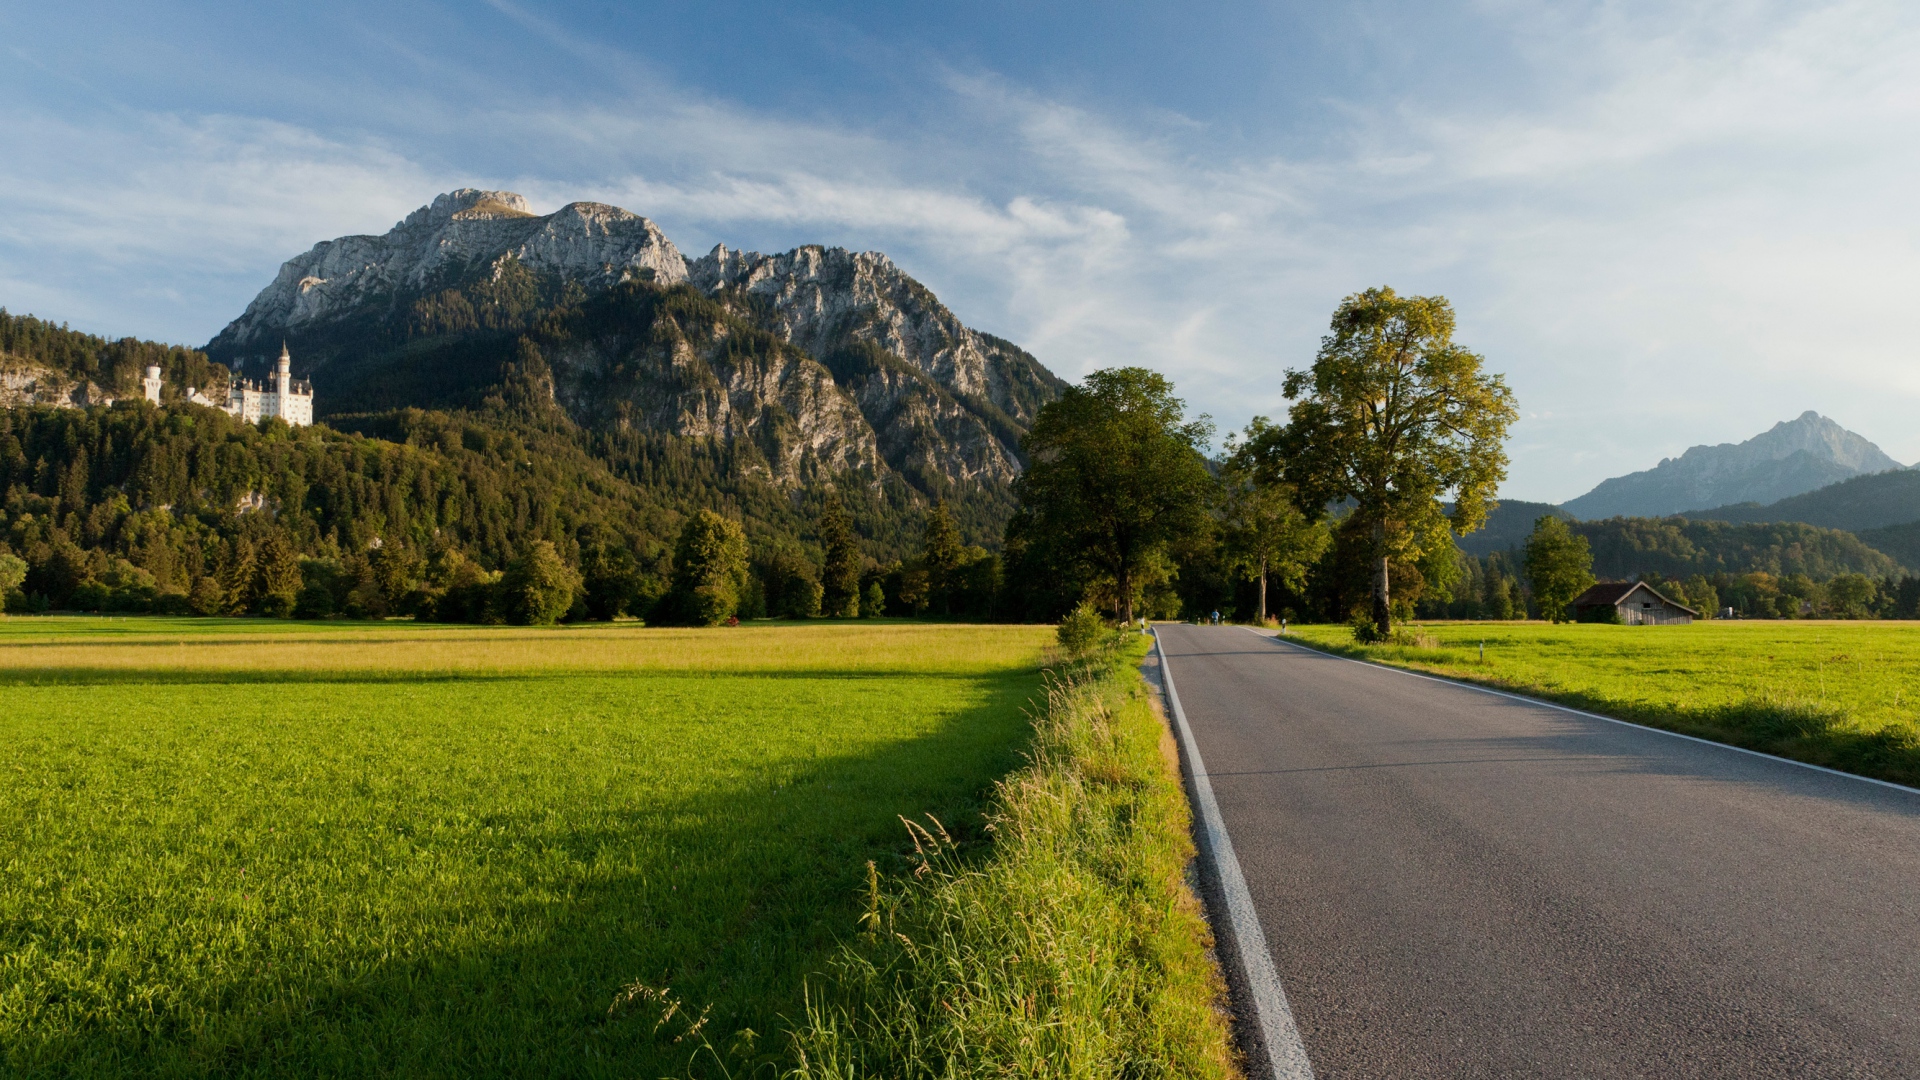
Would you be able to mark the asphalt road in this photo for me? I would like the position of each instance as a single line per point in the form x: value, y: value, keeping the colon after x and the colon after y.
x: 1458, y: 884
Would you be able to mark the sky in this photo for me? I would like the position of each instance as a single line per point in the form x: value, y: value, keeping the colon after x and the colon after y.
x: 1664, y: 224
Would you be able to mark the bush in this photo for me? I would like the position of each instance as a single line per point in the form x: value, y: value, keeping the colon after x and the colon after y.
x: 709, y: 570
x: 1407, y: 637
x: 1083, y: 630
x: 538, y: 587
x: 875, y: 604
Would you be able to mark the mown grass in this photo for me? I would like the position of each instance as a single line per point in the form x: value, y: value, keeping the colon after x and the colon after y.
x: 1071, y: 947
x: 1845, y: 695
x: 244, y: 848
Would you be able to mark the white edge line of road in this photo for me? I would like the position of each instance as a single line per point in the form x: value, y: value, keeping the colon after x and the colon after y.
x: 1580, y: 712
x: 1286, y: 1054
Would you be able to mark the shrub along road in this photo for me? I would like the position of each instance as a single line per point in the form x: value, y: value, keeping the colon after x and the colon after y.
x: 1455, y: 883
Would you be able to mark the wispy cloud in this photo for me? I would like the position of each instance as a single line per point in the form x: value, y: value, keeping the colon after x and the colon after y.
x: 1704, y: 210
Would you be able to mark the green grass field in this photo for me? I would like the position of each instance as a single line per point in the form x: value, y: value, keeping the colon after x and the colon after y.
x: 1841, y: 694
x: 236, y: 847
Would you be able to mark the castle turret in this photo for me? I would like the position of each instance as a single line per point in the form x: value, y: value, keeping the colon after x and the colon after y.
x: 283, y: 378
x: 151, y: 384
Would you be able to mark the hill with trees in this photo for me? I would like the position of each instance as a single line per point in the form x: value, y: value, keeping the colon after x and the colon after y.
x: 1874, y: 501
x: 45, y: 363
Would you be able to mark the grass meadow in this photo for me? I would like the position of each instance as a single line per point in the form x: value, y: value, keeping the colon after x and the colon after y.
x: 238, y: 847
x: 1841, y: 694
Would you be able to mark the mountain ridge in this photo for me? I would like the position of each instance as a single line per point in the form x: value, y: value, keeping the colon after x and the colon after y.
x: 1790, y: 458
x: 837, y: 353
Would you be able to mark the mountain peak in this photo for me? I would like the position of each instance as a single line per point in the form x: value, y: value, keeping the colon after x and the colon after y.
x: 1789, y: 458
x: 816, y: 360
x: 469, y: 204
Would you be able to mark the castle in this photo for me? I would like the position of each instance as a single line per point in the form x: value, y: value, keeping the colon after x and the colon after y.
x: 289, y: 400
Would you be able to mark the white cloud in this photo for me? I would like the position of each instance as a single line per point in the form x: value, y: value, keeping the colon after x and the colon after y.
x: 1703, y: 210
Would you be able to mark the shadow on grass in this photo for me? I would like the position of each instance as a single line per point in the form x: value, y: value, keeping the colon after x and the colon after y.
x: 761, y: 881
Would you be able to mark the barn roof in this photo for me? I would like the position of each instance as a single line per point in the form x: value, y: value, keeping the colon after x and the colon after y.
x: 1613, y: 592
x: 1607, y: 592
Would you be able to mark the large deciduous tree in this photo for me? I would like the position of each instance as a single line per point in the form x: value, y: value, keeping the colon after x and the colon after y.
x: 538, y: 587
x: 709, y: 569
x: 1115, y: 473
x: 1392, y: 417
x: 1559, y: 567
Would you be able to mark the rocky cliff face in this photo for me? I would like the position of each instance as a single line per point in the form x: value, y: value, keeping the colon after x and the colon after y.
x: 1792, y: 457
x: 23, y: 382
x: 463, y: 235
x: 821, y: 358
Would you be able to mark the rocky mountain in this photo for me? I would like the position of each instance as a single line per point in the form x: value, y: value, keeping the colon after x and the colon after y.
x: 1792, y: 457
x: 813, y: 362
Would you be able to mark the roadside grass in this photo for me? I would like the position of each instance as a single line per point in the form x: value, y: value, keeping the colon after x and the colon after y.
x: 1071, y: 946
x: 241, y: 848
x: 1845, y: 695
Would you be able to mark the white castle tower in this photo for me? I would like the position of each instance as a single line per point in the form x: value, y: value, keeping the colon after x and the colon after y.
x: 151, y: 384
x: 289, y: 400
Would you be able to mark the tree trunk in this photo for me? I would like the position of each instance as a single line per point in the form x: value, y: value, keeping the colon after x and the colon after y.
x: 1126, y: 597
x: 1263, y: 590
x: 1382, y: 608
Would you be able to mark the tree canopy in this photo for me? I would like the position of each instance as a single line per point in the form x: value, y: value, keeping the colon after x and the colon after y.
x: 1559, y: 566
x: 1116, y: 474
x: 1391, y: 417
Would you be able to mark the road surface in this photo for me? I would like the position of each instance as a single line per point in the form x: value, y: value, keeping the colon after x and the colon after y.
x: 1458, y: 884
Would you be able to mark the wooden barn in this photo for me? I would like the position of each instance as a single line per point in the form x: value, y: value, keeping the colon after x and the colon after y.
x: 1632, y: 602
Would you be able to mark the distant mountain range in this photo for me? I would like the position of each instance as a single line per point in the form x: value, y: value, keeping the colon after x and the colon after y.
x: 1820, y: 499
x: 1793, y: 457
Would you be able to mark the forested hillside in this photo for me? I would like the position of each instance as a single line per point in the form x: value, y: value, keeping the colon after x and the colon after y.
x: 137, y: 508
x: 1677, y: 547
x: 1875, y: 501
x: 42, y: 361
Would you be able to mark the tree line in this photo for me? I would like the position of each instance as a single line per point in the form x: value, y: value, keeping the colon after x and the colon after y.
x: 1347, y: 511
x: 467, y: 518
x: 1350, y: 510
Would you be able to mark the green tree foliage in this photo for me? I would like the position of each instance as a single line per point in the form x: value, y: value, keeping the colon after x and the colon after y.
x: 1851, y: 596
x: 219, y: 517
x: 840, y: 573
x: 1392, y: 416
x: 942, y: 554
x: 115, y: 366
x: 538, y: 586
x: 1082, y: 630
x: 1116, y: 475
x: 13, y: 571
x: 1559, y: 567
x: 1676, y: 547
x: 874, y: 604
x: 1263, y: 533
x: 710, y: 569
x: 789, y: 582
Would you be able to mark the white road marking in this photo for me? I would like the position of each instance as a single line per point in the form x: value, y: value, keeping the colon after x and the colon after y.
x: 1286, y: 1055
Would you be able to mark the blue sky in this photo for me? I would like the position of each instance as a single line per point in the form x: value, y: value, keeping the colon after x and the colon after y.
x: 1667, y: 224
